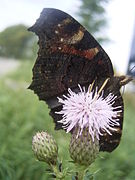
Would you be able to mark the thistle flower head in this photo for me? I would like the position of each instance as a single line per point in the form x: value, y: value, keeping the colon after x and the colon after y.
x: 89, y: 109
x: 44, y: 147
x: 83, y: 150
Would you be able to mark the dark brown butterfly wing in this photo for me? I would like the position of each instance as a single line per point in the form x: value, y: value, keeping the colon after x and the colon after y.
x: 110, y: 142
x: 68, y: 55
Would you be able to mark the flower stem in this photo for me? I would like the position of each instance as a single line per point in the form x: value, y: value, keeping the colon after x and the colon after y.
x: 59, y: 175
x: 80, y: 175
x: 81, y: 170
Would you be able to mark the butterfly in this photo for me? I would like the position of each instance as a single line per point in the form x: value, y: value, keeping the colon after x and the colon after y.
x: 69, y: 55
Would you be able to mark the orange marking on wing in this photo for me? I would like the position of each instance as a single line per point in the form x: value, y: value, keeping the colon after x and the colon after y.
x: 88, y: 54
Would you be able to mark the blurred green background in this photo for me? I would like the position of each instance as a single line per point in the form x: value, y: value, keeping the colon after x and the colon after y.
x: 22, y: 114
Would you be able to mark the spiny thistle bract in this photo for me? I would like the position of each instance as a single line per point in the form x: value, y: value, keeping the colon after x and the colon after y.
x: 45, y: 148
x: 83, y: 150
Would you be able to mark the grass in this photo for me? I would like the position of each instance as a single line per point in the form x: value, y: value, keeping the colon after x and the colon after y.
x: 22, y: 114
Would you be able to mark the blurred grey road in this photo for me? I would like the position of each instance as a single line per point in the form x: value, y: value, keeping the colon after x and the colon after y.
x: 7, y: 65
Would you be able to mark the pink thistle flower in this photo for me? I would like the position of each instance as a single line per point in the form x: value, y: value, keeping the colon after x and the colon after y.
x: 89, y: 109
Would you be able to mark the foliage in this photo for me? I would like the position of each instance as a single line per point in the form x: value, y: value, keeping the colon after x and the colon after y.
x: 17, y: 42
x: 92, y: 16
x: 22, y: 114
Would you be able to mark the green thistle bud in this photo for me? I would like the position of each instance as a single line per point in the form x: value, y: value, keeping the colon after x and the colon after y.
x: 45, y: 148
x: 83, y: 150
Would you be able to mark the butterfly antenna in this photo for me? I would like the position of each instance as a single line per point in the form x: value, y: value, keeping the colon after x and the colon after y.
x: 103, y: 85
x: 91, y: 86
